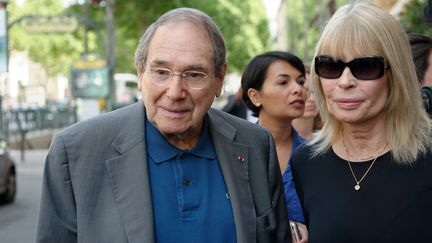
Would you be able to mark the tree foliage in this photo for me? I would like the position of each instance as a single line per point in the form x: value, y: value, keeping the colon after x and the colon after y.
x: 243, y: 23
x: 56, y: 52
x: 305, y: 19
x: 413, y: 19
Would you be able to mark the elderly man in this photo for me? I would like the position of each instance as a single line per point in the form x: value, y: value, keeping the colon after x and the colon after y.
x: 168, y: 168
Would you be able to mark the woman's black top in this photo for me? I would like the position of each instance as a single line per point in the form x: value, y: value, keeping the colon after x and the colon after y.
x: 394, y: 203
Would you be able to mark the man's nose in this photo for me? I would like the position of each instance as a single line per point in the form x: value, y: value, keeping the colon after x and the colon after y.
x: 176, y: 88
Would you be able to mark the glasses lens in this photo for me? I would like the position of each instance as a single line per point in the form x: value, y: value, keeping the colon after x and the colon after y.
x: 328, y: 67
x: 195, y: 79
x: 367, y: 68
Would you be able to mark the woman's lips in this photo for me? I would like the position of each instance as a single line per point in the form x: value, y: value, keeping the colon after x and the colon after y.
x: 298, y: 104
x: 348, y: 104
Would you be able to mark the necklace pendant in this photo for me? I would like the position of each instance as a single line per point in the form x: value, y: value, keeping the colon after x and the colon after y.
x: 357, y: 187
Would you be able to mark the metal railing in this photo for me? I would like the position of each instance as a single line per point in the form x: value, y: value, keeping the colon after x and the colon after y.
x: 28, y: 119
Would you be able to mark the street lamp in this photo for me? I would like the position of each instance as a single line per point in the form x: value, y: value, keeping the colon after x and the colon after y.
x: 3, y: 37
x: 3, y: 55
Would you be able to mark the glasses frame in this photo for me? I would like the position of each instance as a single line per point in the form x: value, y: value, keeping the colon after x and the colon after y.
x: 185, y: 76
x: 353, y: 65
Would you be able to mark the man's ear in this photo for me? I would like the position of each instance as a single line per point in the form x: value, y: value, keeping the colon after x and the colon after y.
x: 220, y: 81
x: 140, y: 78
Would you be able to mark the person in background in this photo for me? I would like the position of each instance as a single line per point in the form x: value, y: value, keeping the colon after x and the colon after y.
x: 237, y: 107
x: 310, y: 122
x: 367, y: 175
x: 421, y: 47
x: 168, y: 168
x: 273, y: 88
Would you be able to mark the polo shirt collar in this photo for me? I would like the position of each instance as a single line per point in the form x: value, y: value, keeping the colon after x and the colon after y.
x: 160, y: 150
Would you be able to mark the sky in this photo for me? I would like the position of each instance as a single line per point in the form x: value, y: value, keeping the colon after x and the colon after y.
x: 272, y: 7
x: 69, y: 2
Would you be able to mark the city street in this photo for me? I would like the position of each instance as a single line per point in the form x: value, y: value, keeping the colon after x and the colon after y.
x: 18, y: 220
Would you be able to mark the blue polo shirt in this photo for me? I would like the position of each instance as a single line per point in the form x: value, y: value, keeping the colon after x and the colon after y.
x: 189, y: 196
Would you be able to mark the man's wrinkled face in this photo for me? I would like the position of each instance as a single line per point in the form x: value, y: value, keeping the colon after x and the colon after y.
x: 181, y: 52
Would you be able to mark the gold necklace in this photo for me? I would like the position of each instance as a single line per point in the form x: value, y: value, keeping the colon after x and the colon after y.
x: 357, y: 185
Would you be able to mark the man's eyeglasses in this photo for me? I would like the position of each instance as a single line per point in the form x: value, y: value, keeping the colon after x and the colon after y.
x: 192, y: 79
x: 363, y: 68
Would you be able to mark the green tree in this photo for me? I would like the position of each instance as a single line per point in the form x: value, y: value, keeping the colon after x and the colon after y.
x: 412, y: 18
x: 243, y: 23
x: 56, y: 52
x: 305, y: 19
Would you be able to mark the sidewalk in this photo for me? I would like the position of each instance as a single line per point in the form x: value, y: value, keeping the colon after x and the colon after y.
x: 33, y: 161
x: 34, y: 140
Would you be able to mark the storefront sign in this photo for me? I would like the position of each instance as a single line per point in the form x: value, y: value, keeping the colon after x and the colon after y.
x: 50, y: 24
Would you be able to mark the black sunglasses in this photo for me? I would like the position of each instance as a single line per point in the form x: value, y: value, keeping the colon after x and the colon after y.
x: 363, y: 68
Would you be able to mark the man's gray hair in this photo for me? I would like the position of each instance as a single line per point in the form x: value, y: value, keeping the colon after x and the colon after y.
x: 190, y: 15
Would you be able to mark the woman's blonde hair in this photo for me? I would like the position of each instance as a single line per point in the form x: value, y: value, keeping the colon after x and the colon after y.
x: 365, y: 27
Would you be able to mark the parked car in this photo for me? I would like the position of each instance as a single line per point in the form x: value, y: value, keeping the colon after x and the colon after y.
x: 8, y: 184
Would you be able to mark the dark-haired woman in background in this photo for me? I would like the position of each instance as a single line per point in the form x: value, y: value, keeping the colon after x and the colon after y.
x: 421, y: 47
x: 273, y: 88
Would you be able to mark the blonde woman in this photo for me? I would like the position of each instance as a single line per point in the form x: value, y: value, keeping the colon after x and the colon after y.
x: 367, y: 176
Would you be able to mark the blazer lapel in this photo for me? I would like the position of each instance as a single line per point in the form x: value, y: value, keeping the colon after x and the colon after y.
x: 234, y: 162
x: 129, y: 178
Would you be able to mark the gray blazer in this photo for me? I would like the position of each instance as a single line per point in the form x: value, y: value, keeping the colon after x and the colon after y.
x: 96, y: 183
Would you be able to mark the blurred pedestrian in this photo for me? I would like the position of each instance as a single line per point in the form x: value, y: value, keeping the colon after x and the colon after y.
x: 168, y: 168
x: 237, y: 107
x: 421, y: 47
x: 310, y: 122
x: 273, y: 88
x: 367, y: 176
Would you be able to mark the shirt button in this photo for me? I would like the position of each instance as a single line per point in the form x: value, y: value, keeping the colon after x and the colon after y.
x: 186, y: 182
